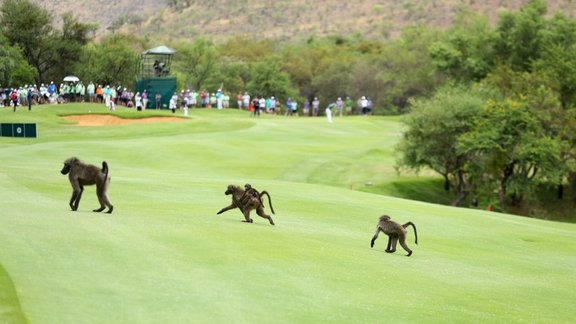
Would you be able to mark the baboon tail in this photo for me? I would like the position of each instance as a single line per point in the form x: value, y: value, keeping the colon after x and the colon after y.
x: 414, y: 227
x: 105, y: 168
x: 264, y: 192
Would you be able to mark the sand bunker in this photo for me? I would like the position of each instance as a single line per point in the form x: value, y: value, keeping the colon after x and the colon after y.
x: 105, y: 120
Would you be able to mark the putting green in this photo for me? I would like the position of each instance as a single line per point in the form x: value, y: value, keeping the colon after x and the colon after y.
x: 165, y: 256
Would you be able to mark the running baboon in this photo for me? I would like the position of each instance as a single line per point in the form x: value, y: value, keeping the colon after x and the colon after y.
x: 238, y: 201
x: 395, y: 232
x: 81, y: 175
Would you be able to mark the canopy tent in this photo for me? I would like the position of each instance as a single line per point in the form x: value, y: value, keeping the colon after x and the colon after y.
x: 71, y: 78
x: 163, y: 50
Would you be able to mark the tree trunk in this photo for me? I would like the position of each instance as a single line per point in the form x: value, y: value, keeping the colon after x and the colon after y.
x: 461, y: 189
x: 572, y: 185
x: 460, y: 197
x: 508, y: 172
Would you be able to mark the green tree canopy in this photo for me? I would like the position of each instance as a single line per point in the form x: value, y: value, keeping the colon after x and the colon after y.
x: 510, y: 152
x: 13, y: 67
x: 48, y: 50
x: 112, y: 61
x: 268, y: 79
x: 431, y: 138
x: 196, y: 61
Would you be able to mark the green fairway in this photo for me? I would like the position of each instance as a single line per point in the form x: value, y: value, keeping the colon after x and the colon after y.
x: 164, y: 256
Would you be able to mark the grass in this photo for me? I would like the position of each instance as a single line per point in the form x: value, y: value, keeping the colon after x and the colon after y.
x: 165, y: 256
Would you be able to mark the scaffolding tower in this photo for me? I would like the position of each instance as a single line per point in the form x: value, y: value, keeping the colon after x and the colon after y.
x: 154, y: 75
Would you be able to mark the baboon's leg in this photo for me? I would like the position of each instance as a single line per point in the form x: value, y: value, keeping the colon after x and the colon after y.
x: 107, y: 202
x: 100, y: 200
x: 393, y: 242
x: 246, y: 212
x: 389, y: 246
x: 404, y: 245
x: 73, y: 200
x: 261, y: 213
x: 226, y: 209
x: 76, y: 195
x: 104, y: 197
x: 375, y: 236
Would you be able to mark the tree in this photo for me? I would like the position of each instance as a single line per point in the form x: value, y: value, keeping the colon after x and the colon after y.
x: 268, y: 79
x: 13, y: 67
x: 404, y: 70
x: 196, y: 61
x: 27, y: 25
x: 431, y: 139
x: 519, y: 40
x: 510, y: 152
x: 466, y: 54
x: 558, y: 60
x: 112, y: 61
x: 304, y: 62
x: 230, y: 73
x: 68, y: 49
x: 334, y: 81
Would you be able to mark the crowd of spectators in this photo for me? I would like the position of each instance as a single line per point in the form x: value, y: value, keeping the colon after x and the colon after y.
x: 272, y: 105
x: 29, y: 94
x: 111, y: 96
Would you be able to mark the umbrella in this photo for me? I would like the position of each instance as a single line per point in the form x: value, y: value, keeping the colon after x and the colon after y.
x: 71, y: 78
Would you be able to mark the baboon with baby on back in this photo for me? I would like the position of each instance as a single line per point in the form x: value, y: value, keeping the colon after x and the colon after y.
x: 246, y: 200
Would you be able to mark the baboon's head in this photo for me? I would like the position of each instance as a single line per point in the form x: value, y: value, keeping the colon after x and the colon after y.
x: 384, y: 217
x: 68, y: 165
x: 231, y: 189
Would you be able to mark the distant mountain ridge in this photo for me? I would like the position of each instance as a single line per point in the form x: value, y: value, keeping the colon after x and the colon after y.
x: 173, y: 20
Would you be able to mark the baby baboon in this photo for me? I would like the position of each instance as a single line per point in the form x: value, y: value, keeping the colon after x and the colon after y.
x: 247, y: 202
x: 81, y: 175
x: 249, y: 193
x: 395, y: 232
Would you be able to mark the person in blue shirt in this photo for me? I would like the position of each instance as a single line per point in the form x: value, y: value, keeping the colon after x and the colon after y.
x: 219, y: 99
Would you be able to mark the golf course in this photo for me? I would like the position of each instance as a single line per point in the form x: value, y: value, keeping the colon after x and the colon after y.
x: 165, y: 256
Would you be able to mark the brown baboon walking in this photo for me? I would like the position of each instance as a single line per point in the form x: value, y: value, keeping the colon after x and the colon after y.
x: 396, y: 232
x: 81, y: 175
x: 246, y: 203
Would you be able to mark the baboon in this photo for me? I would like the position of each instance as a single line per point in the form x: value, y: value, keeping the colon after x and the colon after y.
x: 249, y: 193
x: 395, y: 232
x: 247, y: 202
x: 80, y: 175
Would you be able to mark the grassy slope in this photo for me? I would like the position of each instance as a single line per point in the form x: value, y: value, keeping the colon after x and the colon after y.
x: 10, y: 311
x: 165, y: 256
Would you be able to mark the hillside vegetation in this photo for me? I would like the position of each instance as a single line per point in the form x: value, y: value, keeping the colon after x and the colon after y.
x: 283, y: 19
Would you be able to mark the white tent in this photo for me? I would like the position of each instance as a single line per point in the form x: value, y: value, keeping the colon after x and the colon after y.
x: 160, y: 50
x: 71, y: 78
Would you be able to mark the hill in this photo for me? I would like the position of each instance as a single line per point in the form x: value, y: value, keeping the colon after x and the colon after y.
x: 282, y: 19
x: 165, y: 256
